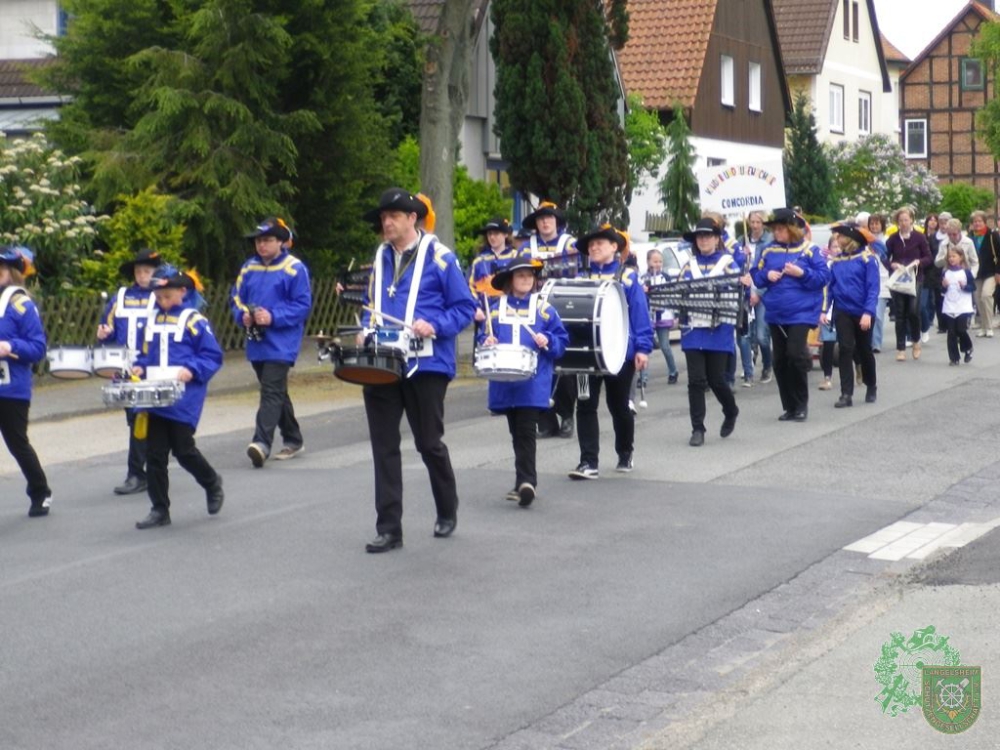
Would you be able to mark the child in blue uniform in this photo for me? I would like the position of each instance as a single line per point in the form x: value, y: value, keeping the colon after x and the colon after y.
x: 523, y: 400
x: 707, y: 349
x: 179, y: 344
x: 124, y: 324
x: 22, y: 343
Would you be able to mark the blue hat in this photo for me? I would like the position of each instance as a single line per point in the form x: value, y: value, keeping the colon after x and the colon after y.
x: 14, y: 257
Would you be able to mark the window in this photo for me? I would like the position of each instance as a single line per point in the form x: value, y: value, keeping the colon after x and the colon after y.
x: 728, y: 82
x: 972, y: 74
x: 864, y: 112
x: 915, y: 137
x: 847, y: 19
x: 712, y: 161
x: 836, y: 108
x: 854, y: 22
x: 755, y: 100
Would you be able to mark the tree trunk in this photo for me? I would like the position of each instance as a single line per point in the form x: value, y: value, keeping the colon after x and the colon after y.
x: 442, y: 110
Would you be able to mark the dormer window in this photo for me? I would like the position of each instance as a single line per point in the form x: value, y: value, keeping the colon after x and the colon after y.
x: 728, y: 82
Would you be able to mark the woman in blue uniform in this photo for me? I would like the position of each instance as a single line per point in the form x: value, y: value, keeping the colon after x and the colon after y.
x: 22, y: 344
x: 707, y: 348
x: 511, y: 317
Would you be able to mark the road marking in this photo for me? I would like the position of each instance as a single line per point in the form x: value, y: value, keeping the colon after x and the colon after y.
x: 915, y: 541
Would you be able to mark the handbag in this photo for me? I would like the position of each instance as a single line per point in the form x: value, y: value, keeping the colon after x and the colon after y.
x: 904, y: 279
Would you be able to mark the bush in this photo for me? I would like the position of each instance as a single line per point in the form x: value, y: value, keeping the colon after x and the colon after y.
x: 960, y: 199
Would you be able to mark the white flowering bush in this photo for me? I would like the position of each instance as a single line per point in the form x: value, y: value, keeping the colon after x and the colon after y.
x: 41, y: 207
x: 872, y: 174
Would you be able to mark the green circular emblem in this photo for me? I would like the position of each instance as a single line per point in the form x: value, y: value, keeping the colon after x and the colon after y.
x: 899, y: 669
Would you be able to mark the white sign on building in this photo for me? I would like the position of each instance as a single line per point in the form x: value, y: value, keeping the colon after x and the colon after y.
x: 737, y: 189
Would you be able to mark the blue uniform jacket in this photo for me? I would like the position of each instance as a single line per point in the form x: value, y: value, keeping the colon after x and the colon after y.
x: 640, y: 332
x: 281, y: 287
x: 790, y: 300
x: 21, y: 326
x: 443, y: 300
x: 722, y: 338
x: 533, y: 392
x: 854, y: 283
x: 136, y: 298
x: 486, y: 263
x: 198, y: 350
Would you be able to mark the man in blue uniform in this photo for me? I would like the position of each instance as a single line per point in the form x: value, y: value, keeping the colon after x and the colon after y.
x: 272, y: 299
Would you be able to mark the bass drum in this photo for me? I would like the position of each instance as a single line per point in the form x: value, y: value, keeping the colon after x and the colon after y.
x: 595, y: 315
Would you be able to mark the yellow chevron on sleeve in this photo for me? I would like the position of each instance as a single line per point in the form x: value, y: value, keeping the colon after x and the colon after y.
x: 20, y: 303
x: 545, y: 311
x: 441, y: 257
x: 193, y: 323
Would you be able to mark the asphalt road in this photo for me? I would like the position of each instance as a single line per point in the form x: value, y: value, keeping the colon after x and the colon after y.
x: 268, y: 626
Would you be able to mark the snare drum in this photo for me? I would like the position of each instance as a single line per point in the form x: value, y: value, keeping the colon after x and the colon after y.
x: 505, y: 362
x: 111, y: 360
x: 142, y: 394
x: 370, y: 365
x: 70, y: 362
x: 595, y: 314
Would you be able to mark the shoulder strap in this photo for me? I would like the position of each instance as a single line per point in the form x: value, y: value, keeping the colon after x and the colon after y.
x: 6, y: 297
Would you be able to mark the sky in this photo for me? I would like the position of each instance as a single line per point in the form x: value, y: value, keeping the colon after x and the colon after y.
x: 912, y: 24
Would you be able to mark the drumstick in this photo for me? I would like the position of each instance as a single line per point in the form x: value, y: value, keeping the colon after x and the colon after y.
x: 391, y: 318
x: 530, y: 330
x: 489, y: 321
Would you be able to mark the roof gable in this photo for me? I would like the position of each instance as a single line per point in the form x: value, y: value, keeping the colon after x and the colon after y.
x: 893, y: 54
x: 14, y: 83
x: 972, y: 7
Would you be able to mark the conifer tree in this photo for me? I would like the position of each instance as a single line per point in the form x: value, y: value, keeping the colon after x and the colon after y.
x: 679, y: 187
x: 808, y: 179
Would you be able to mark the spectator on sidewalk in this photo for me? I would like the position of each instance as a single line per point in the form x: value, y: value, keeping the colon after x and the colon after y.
x: 987, y: 244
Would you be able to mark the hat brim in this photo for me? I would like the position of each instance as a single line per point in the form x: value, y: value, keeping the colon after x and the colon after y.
x: 494, y: 228
x: 583, y: 244
x: 16, y: 263
x: 531, y: 220
x: 789, y: 221
x: 128, y: 267
x: 853, y: 232
x: 500, y: 278
x: 692, y: 237
x: 374, y: 216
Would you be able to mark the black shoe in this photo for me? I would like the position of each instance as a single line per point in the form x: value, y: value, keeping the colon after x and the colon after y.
x: 444, y: 526
x: 584, y: 471
x: 155, y: 518
x: 526, y: 494
x: 871, y: 394
x: 542, y: 434
x: 697, y: 438
x: 800, y: 416
x: 257, y: 454
x: 843, y: 401
x: 968, y: 356
x: 788, y: 416
x: 728, y: 425
x: 214, y: 497
x: 39, y: 508
x: 625, y: 463
x: 384, y: 543
x: 131, y: 486
x: 566, y: 429
x: 672, y: 379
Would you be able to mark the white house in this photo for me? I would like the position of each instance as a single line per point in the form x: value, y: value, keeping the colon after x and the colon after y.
x: 23, y: 105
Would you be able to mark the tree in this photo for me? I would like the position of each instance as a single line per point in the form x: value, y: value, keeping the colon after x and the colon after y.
x: 679, y: 188
x: 986, y: 46
x: 873, y: 174
x: 807, y: 172
x: 557, y: 102
x: 960, y: 199
x: 647, y: 143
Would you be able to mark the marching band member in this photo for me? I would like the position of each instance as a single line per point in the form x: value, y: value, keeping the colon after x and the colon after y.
x: 707, y: 349
x: 853, y: 291
x: 22, y: 344
x: 178, y: 344
x: 416, y: 279
x: 557, y: 250
x: 124, y: 324
x: 601, y: 246
x: 517, y: 317
x: 793, y: 272
x: 495, y: 251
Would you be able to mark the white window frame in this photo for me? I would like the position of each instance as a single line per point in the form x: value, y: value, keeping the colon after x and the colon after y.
x: 906, y: 138
x: 755, y: 75
x: 864, y: 112
x: 836, y: 118
x: 728, y: 72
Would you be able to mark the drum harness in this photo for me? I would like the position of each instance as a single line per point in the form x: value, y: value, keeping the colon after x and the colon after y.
x: 133, y: 315
x: 168, y: 330
x: 5, y: 298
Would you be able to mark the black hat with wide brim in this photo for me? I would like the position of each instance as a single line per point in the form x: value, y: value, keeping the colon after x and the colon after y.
x: 505, y: 274
x: 704, y: 226
x: 178, y: 280
x: 786, y: 216
x: 396, y: 199
x: 496, y: 224
x: 272, y: 226
x: 607, y: 232
x: 853, y: 230
x: 144, y: 257
x: 545, y: 209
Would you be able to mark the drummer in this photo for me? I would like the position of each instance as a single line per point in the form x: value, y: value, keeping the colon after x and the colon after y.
x: 123, y: 324
x: 22, y: 344
x: 601, y: 246
x: 496, y: 251
x: 517, y: 317
x: 178, y: 338
x: 557, y: 250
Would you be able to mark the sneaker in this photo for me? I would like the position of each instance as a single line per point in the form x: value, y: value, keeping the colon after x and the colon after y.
x: 289, y: 451
x: 765, y: 377
x: 901, y: 356
x: 989, y: 333
x: 526, y: 495
x: 826, y: 385
x: 631, y: 407
x: 672, y: 379
x: 584, y: 471
x: 748, y: 381
x: 513, y: 495
x: 980, y: 334
x: 643, y: 404
x: 625, y: 463
x: 968, y: 356
x: 926, y: 337
x: 40, y: 507
x: 257, y: 454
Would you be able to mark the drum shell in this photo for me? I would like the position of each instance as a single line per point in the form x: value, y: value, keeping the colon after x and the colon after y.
x: 71, y: 362
x: 505, y: 362
x: 141, y: 394
x: 595, y: 315
x: 109, y: 361
x: 369, y: 365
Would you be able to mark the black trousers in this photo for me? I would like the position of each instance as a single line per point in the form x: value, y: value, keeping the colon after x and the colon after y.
x: 523, y: 425
x: 907, y: 312
x: 708, y: 369
x: 14, y: 428
x: 421, y: 398
x: 275, y: 408
x: 855, y: 346
x: 792, y: 362
x: 564, y: 398
x: 958, y: 335
x: 136, y: 448
x: 164, y: 436
x: 588, y: 428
